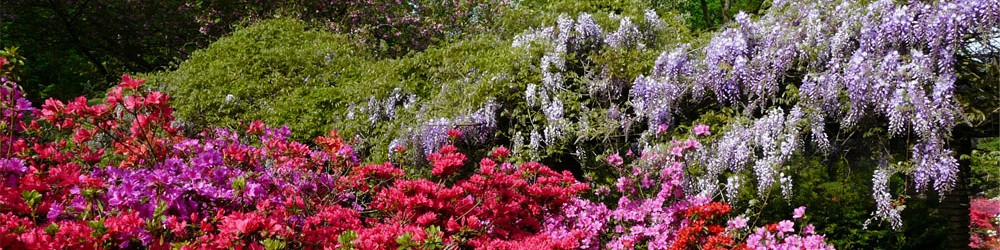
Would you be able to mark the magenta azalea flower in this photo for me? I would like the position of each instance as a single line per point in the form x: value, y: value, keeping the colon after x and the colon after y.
x: 799, y: 212
x: 615, y: 160
x: 701, y: 130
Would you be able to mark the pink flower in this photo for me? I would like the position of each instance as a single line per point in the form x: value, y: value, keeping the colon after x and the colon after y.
x: 701, y: 129
x: 447, y: 161
x: 809, y: 229
x: 615, y: 160
x: 130, y: 83
x: 662, y: 128
x: 737, y: 223
x: 692, y: 144
x: 799, y: 212
x: 786, y: 226
x: 256, y: 127
x: 677, y: 151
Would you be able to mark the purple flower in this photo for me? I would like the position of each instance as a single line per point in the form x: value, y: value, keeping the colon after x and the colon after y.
x: 11, y: 170
x: 347, y: 152
x: 54, y: 211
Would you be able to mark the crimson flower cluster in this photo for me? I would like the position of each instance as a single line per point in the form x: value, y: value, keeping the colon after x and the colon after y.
x: 984, y: 222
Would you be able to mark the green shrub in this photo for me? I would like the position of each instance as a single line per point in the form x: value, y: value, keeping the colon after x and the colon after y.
x: 284, y: 72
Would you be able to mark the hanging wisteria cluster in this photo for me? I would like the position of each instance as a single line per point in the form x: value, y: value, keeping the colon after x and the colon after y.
x: 476, y: 127
x: 852, y: 63
x: 576, y: 37
x: 790, y: 72
x: 766, y: 144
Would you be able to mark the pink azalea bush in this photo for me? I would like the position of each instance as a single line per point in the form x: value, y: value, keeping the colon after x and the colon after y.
x: 653, y: 212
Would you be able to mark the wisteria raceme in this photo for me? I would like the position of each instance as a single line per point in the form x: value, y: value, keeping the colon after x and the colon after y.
x: 627, y: 35
x: 564, y: 25
x: 478, y: 126
x: 766, y: 145
x: 529, y: 94
x: 884, y: 208
x: 934, y: 163
x: 588, y: 31
x: 733, y: 184
x: 653, y: 22
x: 653, y: 99
x: 432, y: 134
x: 535, y: 140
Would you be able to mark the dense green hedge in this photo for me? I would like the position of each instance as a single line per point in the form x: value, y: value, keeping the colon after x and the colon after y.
x: 283, y: 72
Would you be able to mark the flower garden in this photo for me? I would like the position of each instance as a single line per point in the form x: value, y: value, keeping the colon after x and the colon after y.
x: 515, y: 125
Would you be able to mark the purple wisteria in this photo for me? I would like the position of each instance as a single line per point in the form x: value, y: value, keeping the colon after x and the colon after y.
x: 849, y: 61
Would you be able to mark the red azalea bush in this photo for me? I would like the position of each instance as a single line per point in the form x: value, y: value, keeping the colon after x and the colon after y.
x: 121, y: 174
x: 984, y: 222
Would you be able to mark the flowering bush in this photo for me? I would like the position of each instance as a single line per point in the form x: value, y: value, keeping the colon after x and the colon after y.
x: 653, y: 211
x: 984, y: 222
x: 119, y: 174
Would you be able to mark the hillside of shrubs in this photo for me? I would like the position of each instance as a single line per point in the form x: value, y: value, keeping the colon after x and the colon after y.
x: 466, y: 124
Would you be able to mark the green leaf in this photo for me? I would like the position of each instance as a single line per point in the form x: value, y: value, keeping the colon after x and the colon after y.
x: 405, y: 241
x: 31, y: 197
x: 273, y: 244
x: 52, y: 229
x: 346, y: 239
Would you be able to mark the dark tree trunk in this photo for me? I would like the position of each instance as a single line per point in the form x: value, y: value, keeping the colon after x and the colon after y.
x: 706, y: 14
x: 725, y: 11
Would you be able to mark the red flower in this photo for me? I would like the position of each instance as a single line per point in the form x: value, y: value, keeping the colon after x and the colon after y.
x: 130, y: 83
x: 447, y: 161
x: 501, y: 153
x: 454, y: 134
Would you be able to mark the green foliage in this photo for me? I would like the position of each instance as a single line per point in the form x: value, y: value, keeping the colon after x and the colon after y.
x: 346, y: 239
x: 80, y: 47
x: 985, y: 165
x: 31, y: 197
x: 273, y: 244
x: 260, y: 67
x: 283, y: 72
